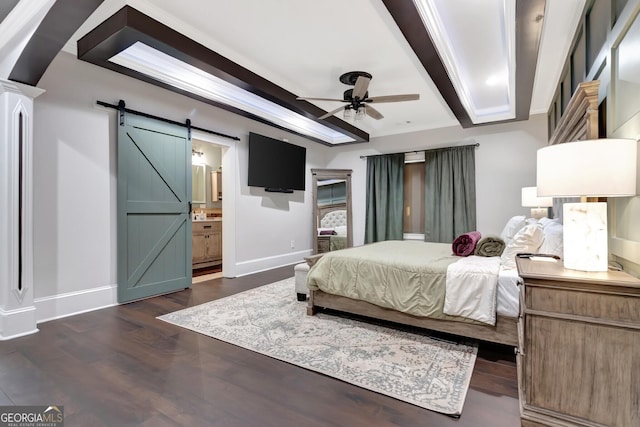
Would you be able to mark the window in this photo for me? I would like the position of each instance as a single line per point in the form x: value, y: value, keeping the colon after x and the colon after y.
x: 578, y: 63
x: 597, y: 22
x: 413, y: 214
x: 332, y: 192
x: 619, y: 6
x: 565, y: 92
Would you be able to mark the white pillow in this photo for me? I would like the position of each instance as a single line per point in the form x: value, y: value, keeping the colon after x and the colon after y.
x: 546, y: 222
x: 528, y: 239
x: 552, y: 239
x: 514, y: 225
x: 341, y: 230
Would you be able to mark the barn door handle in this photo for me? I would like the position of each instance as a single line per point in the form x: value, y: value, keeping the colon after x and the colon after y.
x: 189, y: 208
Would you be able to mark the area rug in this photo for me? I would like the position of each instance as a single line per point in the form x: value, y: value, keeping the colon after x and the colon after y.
x: 412, y: 367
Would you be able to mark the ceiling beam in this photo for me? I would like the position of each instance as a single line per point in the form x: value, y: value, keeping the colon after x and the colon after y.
x: 6, y: 6
x: 529, y: 19
x: 128, y: 26
x: 59, y: 24
x: 408, y: 20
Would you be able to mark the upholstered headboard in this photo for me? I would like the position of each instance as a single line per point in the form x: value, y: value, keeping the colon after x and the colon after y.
x: 334, y: 219
x: 324, y: 210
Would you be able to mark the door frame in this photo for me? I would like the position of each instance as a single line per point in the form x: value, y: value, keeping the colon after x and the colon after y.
x: 229, y: 183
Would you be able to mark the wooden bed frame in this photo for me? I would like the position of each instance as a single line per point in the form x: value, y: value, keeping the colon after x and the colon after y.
x: 504, y: 332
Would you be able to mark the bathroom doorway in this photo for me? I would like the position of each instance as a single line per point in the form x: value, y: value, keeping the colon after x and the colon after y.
x: 207, y: 213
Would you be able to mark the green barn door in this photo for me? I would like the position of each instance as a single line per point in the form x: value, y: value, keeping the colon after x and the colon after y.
x: 154, y: 194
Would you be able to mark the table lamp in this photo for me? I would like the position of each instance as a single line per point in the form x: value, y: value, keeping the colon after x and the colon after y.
x: 539, y: 205
x: 592, y: 168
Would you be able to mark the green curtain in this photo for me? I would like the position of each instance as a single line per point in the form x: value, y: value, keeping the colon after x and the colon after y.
x: 385, y: 196
x: 450, y: 198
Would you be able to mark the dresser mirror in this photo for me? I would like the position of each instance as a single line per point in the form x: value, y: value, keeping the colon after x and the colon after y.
x: 197, y: 184
x: 332, y: 217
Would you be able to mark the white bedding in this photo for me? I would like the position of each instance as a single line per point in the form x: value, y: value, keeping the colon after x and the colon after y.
x: 479, y: 288
x: 502, y: 297
x: 508, y: 292
x: 471, y: 288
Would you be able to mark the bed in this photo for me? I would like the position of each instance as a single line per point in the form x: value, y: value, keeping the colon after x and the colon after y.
x: 423, y: 284
x: 406, y: 288
x: 579, y: 122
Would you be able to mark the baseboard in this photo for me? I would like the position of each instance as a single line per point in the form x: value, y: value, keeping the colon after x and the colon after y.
x: 17, y: 323
x: 268, y: 263
x: 72, y: 303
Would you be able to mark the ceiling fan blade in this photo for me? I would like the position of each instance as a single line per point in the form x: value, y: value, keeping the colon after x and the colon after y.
x: 372, y: 112
x: 300, y: 98
x: 360, y: 89
x: 330, y: 113
x: 394, y: 98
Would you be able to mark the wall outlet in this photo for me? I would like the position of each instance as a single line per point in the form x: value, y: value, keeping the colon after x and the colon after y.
x: 293, y: 244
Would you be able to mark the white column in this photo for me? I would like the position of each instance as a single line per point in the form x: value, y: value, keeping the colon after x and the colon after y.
x: 17, y: 310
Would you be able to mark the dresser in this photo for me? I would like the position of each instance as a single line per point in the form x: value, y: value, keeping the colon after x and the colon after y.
x: 324, y: 244
x: 206, y: 243
x: 579, y: 347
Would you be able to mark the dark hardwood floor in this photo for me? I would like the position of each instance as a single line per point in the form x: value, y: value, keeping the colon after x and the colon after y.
x: 121, y: 366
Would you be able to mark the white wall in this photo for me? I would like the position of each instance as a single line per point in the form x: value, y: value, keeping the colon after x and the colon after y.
x: 75, y: 181
x: 505, y: 162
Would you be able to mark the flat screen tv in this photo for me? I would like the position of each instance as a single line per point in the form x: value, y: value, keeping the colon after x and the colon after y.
x: 276, y: 165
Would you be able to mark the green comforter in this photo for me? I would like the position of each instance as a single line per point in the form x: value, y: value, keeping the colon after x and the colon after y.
x: 407, y: 276
x: 337, y: 242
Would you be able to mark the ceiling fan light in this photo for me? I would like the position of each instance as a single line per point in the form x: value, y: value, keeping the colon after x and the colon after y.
x: 360, y: 113
x: 348, y: 113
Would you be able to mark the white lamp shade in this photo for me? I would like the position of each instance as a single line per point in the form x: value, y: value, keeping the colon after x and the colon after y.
x: 600, y: 167
x: 530, y: 199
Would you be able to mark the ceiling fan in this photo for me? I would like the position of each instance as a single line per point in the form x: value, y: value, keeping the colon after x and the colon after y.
x: 357, y: 99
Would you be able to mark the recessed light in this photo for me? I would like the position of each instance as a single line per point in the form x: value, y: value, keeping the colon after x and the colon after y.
x: 465, y: 57
x: 167, y: 69
x: 493, y: 80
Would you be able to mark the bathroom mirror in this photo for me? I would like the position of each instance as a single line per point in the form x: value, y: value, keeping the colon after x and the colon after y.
x: 332, y: 217
x: 197, y: 184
